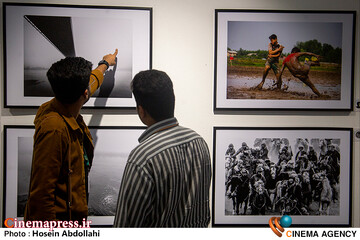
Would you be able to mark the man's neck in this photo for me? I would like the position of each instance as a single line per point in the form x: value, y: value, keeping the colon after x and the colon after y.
x: 73, y: 109
x: 150, y: 122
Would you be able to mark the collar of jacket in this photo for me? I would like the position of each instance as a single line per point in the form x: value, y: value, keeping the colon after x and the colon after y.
x: 158, y: 127
x: 69, y: 119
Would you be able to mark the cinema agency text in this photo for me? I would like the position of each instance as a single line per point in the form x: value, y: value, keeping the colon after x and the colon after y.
x: 324, y: 233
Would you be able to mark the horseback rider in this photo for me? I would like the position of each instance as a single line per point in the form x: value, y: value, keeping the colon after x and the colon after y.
x: 306, y: 165
x: 230, y: 151
x: 229, y: 160
x: 245, y: 156
x: 234, y: 170
x: 294, y: 193
x: 237, y: 189
x: 300, y: 153
x: 243, y: 149
x: 312, y: 155
x: 284, y: 155
x: 263, y: 152
x: 333, y: 157
x: 259, y: 176
x: 300, y: 158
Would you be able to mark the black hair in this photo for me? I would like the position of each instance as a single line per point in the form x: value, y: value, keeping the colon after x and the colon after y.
x: 153, y: 90
x: 69, y: 78
x: 273, y: 36
x: 295, y: 50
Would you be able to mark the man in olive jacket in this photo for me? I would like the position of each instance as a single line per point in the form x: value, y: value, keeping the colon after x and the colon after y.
x: 63, y: 148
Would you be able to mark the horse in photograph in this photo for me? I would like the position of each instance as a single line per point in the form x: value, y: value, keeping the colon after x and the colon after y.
x: 333, y: 160
x: 290, y: 207
x: 271, y: 182
x: 281, y: 187
x: 260, y: 200
x: 306, y: 189
x: 323, y: 192
x: 229, y: 165
x: 238, y: 186
x: 325, y: 197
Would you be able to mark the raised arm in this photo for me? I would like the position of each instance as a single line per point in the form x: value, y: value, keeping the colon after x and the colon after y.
x: 276, y: 51
x: 97, y: 75
x: 308, y: 54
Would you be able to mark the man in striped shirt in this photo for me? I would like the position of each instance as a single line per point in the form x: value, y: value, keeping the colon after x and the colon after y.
x: 167, y: 176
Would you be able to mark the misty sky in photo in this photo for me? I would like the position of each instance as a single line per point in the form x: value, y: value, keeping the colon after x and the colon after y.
x: 93, y: 38
x: 255, y: 35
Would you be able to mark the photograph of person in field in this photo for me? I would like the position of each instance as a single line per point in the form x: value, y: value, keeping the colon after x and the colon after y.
x: 301, y: 62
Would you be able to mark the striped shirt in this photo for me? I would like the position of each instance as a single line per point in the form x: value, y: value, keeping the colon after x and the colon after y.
x: 166, y: 180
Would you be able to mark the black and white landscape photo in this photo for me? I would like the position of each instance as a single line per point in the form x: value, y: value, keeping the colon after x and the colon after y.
x: 38, y: 36
x: 112, y: 148
x: 61, y: 37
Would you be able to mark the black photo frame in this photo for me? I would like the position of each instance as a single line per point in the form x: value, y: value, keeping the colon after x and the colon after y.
x: 241, y: 53
x: 234, y: 171
x: 31, y: 45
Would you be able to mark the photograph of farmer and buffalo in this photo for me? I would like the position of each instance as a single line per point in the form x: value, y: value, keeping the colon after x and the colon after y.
x: 298, y: 61
x: 284, y: 60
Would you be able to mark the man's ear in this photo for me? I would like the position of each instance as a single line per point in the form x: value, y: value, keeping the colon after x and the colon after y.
x: 141, y: 112
x: 86, y: 96
x: 86, y: 93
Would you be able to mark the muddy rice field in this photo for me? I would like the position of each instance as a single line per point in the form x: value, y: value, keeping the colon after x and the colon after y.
x: 241, y: 81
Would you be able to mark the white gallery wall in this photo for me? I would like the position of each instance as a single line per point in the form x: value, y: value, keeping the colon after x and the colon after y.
x: 183, y: 46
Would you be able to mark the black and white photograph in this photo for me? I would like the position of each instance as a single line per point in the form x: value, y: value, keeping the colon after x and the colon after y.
x: 284, y: 60
x: 112, y: 147
x: 25, y: 150
x: 269, y: 172
x: 45, y: 34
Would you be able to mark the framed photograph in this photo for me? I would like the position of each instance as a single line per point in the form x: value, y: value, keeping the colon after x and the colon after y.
x: 264, y: 172
x: 37, y: 35
x: 284, y: 60
x: 112, y: 147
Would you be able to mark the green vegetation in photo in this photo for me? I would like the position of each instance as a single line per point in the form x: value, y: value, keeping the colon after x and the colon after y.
x: 330, y: 57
